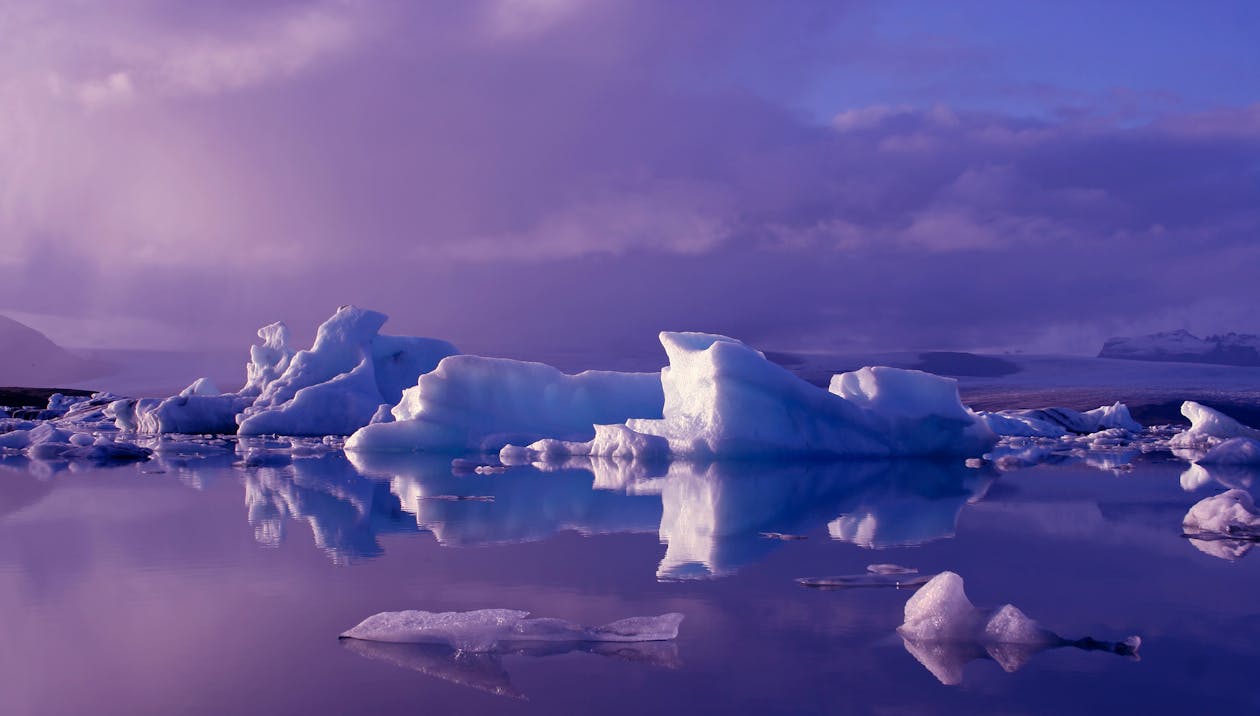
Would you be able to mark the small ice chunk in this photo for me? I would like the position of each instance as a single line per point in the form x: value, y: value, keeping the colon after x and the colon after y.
x: 485, y: 629
x: 941, y: 611
x: 82, y: 439
x: 944, y: 631
x: 782, y: 536
x: 201, y: 386
x: 475, y: 403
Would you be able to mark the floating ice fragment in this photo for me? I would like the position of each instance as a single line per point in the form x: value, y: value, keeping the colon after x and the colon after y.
x: 486, y: 629
x: 1208, y: 428
x: 944, y: 631
x: 782, y: 536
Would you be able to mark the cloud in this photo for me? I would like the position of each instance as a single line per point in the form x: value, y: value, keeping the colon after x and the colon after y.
x: 520, y: 169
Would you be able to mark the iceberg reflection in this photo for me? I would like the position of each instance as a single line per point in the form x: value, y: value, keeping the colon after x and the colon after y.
x: 345, y: 510
x: 714, y: 515
x: 484, y: 671
x: 520, y: 504
x: 713, y: 518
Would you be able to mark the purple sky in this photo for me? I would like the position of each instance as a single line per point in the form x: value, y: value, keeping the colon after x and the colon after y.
x: 512, y: 173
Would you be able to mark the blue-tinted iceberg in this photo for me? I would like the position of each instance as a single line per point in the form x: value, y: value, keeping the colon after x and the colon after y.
x: 724, y: 399
x: 1058, y: 422
x: 477, y: 404
x: 334, y: 388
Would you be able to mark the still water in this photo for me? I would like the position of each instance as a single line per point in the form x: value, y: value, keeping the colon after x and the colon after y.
x: 208, y: 586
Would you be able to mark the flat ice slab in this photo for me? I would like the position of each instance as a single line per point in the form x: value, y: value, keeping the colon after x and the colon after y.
x: 486, y: 629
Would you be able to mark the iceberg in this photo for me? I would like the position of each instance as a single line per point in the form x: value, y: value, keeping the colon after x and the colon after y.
x: 724, y: 399
x: 333, y: 388
x: 187, y: 413
x: 336, y: 386
x: 1058, y: 422
x: 480, y: 404
x: 1208, y: 428
x: 484, y: 630
x: 943, y: 630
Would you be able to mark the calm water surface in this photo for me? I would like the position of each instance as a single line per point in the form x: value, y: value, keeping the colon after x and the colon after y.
x: 208, y: 587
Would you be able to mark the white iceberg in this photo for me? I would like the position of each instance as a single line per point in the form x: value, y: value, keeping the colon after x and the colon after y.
x: 334, y: 388
x: 724, y: 399
x: 1208, y: 428
x: 945, y: 631
x: 484, y: 630
x: 474, y: 403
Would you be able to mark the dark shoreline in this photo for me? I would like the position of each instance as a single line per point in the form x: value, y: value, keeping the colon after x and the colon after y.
x: 18, y: 397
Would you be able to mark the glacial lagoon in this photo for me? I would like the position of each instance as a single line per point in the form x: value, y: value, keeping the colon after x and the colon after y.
x: 218, y: 583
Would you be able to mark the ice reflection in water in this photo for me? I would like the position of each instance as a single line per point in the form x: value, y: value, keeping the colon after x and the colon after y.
x: 711, y: 516
x: 485, y: 671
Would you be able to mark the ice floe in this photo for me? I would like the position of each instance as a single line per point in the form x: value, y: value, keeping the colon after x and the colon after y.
x: 485, y: 630
x: 944, y: 631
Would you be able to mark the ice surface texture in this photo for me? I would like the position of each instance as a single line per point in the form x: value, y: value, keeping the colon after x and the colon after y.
x: 474, y: 403
x: 334, y: 388
x: 724, y: 399
x: 45, y: 441
x: 1209, y: 428
x: 1058, y: 422
x: 486, y: 629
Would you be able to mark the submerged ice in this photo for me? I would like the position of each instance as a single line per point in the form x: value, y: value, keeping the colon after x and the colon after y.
x: 486, y: 629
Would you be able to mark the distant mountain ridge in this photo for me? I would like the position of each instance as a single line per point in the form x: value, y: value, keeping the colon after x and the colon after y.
x: 28, y: 358
x: 1183, y: 346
